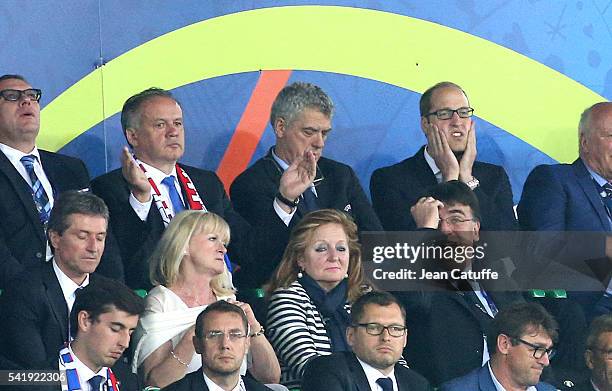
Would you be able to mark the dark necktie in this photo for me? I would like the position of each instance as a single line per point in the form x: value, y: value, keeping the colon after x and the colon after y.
x: 41, y: 200
x: 310, y: 201
x: 95, y: 381
x: 175, y: 198
x: 385, y: 383
x: 606, y: 197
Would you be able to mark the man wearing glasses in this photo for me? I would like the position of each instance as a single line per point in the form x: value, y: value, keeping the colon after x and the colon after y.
x: 222, y: 338
x: 377, y: 336
x: 30, y: 179
x: 521, y: 341
x: 450, y: 154
x: 598, y: 356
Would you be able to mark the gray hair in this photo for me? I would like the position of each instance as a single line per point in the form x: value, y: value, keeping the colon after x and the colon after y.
x: 294, y: 98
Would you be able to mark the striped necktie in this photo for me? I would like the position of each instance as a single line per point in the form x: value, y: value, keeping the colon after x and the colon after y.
x: 41, y: 200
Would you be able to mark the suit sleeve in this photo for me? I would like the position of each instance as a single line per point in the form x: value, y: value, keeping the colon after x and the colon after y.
x: 21, y: 324
x: 497, y: 206
x: 319, y: 375
x: 390, y: 202
x: 543, y: 202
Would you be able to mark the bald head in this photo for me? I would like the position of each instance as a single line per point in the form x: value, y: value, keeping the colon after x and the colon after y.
x: 595, y: 135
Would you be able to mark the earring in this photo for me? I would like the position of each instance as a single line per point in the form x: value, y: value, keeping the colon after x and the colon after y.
x: 300, y: 274
x: 345, y: 275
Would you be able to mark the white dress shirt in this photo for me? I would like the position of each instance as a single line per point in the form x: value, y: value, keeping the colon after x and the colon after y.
x: 85, y: 373
x: 373, y: 374
x: 212, y: 386
x: 142, y: 208
x: 68, y: 286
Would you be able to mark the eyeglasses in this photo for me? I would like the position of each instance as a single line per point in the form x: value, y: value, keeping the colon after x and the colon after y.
x: 607, y: 354
x: 377, y: 329
x: 217, y: 335
x: 454, y: 220
x: 538, y: 351
x: 462, y: 112
x: 11, y: 95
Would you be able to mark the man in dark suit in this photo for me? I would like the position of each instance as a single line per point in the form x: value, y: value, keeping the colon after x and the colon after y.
x: 450, y: 154
x: 36, y: 306
x: 377, y: 336
x: 293, y: 178
x: 520, y: 341
x: 578, y: 197
x: 23, y: 242
x: 222, y: 339
x: 598, y: 356
x: 451, y: 212
x: 151, y: 187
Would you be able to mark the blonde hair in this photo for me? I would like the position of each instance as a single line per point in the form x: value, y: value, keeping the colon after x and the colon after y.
x: 287, y: 270
x: 166, y: 260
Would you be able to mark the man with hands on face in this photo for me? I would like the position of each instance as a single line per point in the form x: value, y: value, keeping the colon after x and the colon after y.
x: 293, y: 178
x: 450, y: 154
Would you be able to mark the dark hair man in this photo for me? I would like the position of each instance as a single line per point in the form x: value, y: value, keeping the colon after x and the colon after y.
x: 377, y: 336
x: 521, y: 345
x: 36, y: 306
x: 222, y: 339
x: 102, y: 321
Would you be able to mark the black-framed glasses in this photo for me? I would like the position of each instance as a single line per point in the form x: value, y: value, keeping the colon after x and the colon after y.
x: 462, y: 112
x: 607, y: 354
x: 12, y: 95
x: 377, y: 329
x: 454, y: 220
x: 217, y: 335
x: 538, y: 351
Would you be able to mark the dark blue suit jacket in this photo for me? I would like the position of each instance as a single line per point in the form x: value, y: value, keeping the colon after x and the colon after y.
x: 480, y: 380
x: 396, y: 188
x: 562, y: 197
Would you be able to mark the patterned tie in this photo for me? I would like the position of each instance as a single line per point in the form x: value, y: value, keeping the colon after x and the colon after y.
x: 95, y: 381
x: 385, y: 383
x: 310, y: 201
x: 175, y: 198
x: 606, y: 196
x: 41, y: 200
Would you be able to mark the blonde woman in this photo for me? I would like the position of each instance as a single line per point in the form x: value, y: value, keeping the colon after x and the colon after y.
x: 188, y: 271
x: 312, y: 289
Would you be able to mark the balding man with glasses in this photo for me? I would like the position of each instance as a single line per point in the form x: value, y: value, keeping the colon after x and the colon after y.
x: 521, y: 341
x: 450, y: 154
x: 30, y: 179
x: 377, y: 336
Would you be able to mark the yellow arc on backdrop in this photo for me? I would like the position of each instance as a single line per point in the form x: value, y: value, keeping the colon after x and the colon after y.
x: 509, y: 90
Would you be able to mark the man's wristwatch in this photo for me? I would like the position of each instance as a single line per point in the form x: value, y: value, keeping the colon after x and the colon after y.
x: 258, y: 333
x: 473, y: 183
x: 286, y: 201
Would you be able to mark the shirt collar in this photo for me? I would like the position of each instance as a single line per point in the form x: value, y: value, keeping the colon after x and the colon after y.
x: 85, y: 373
x: 431, y: 163
x: 156, y: 174
x: 212, y: 386
x: 15, y: 155
x: 498, y: 385
x: 283, y: 164
x: 373, y: 374
x: 598, y: 178
x: 68, y: 286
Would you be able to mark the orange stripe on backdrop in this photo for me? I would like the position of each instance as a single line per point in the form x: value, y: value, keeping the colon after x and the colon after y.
x: 251, y: 126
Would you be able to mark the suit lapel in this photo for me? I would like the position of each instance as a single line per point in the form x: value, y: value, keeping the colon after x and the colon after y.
x: 22, y: 189
x: 583, y: 177
x: 361, y: 381
x: 422, y: 172
x: 53, y: 290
